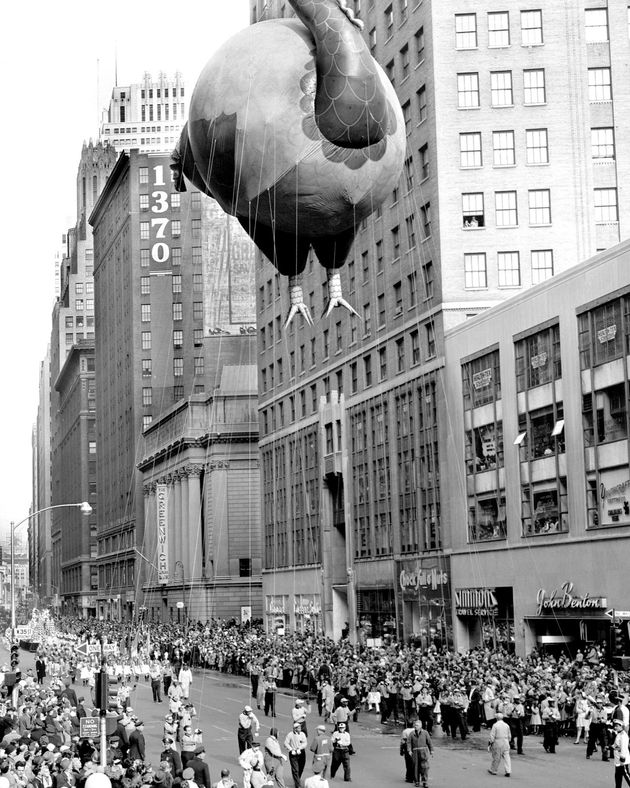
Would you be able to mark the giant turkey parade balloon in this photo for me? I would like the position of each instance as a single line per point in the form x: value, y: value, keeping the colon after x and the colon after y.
x: 295, y: 129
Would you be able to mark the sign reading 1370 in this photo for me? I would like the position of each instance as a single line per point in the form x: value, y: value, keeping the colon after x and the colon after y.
x: 160, y: 251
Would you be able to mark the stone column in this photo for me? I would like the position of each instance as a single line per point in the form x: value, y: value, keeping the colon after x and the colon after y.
x: 194, y: 520
x: 176, y: 525
x: 186, y: 533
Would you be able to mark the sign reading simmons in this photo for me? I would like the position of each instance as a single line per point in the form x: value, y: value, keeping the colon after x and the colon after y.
x: 564, y: 599
x: 476, y: 602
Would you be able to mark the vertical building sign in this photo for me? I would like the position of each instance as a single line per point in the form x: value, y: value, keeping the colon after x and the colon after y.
x: 161, y: 494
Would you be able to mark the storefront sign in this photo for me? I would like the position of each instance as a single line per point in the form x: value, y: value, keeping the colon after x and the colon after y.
x: 418, y: 578
x: 476, y: 602
x: 161, y: 496
x: 426, y: 581
x: 307, y: 605
x: 276, y: 604
x: 614, y: 493
x: 564, y: 599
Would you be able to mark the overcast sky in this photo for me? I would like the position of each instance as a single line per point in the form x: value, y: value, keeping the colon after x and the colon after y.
x: 53, y: 57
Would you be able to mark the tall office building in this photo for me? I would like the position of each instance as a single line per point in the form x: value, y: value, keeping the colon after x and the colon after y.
x: 166, y: 265
x: 513, y: 172
x: 147, y: 116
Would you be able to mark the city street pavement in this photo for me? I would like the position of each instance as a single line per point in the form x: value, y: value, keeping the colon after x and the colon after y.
x: 218, y: 699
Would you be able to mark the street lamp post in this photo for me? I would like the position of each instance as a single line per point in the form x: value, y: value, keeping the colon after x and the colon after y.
x: 182, y: 605
x: 86, y: 510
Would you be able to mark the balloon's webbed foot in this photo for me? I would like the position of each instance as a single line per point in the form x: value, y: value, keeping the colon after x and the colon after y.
x: 335, y: 297
x: 339, y: 301
x: 301, y: 309
x: 297, y: 302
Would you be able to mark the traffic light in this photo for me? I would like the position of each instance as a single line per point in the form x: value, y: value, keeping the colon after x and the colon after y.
x: 15, y: 655
x: 100, y: 689
x: 619, y: 640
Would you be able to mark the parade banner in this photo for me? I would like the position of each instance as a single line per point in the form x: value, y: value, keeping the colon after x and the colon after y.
x: 161, y: 495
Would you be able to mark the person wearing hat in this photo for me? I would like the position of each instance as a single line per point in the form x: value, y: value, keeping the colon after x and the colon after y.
x: 341, y: 714
x: 317, y: 779
x: 514, y: 718
x: 200, y: 767
x: 296, y: 743
x: 321, y: 747
x: 621, y: 753
x: 499, y: 745
x: 299, y: 712
x: 189, y: 776
x: 341, y: 751
x: 550, y: 718
x: 162, y: 779
x: 248, y: 726
x: 250, y: 759
x: 65, y: 776
x: 597, y: 734
x: 137, y: 748
x: 169, y: 753
x: 274, y: 758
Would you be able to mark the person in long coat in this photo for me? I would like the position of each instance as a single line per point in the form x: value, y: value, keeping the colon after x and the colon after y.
x: 420, y: 748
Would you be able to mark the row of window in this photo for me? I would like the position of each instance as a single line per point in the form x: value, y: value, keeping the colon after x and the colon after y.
x: 81, y: 287
x: 159, y: 93
x: 508, y: 268
x: 175, y: 256
x: 162, y: 112
x: 175, y: 227
x: 79, y: 321
x: 406, y: 352
x: 80, y: 304
x: 80, y: 335
x: 176, y: 284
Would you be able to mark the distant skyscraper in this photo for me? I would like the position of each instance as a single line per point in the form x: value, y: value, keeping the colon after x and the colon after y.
x: 147, y: 115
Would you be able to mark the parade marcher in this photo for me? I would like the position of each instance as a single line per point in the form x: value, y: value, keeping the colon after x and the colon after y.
x: 621, y: 754
x: 550, y: 718
x: 317, y: 779
x: 248, y: 759
x: 406, y: 754
x: 170, y: 754
x: 248, y: 726
x: 40, y: 668
x: 185, y: 679
x: 342, y: 750
x: 597, y: 734
x: 514, y: 718
x: 299, y: 712
x: 189, y: 745
x: 155, y: 674
x: 321, y: 747
x: 274, y: 758
x: 341, y: 714
x: 420, y: 747
x: 499, y: 745
x: 426, y: 703
x: 270, y: 689
x: 226, y: 780
x: 582, y: 717
x: 296, y: 744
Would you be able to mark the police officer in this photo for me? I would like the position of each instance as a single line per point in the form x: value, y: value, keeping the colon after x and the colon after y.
x: 342, y: 748
x: 321, y: 747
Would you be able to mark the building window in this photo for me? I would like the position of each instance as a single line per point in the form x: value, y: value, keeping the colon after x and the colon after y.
x: 146, y: 367
x: 425, y: 218
x: 89, y: 304
x: 410, y: 224
x: 145, y: 313
x: 145, y: 258
x: 467, y: 90
x: 599, y: 84
x: 354, y: 381
x: 199, y: 365
x: 505, y: 209
x: 509, y: 268
x: 531, y: 28
x: 544, y: 432
x: 143, y: 175
x: 176, y: 283
x: 144, y: 202
x: 78, y: 305
x: 382, y: 317
x: 178, y: 311
x: 421, y: 99
x: 606, y: 205
x: 415, y: 347
x: 539, y: 206
x: 603, y: 143
x: 176, y: 201
x: 419, y: 39
x: 472, y: 210
x: 542, y: 265
x: 538, y: 359
x: 176, y: 228
x: 389, y: 21
x: 382, y: 363
x: 178, y: 339
x: 372, y: 38
x: 147, y: 421
x: 178, y: 367
x: 503, y: 148
x: 398, y: 299
x: 147, y: 395
x: 197, y: 310
x: 501, y: 88
x: 145, y: 285
x: 367, y: 370
x: 537, y: 146
x: 428, y: 276
x: 197, y: 257
x: 404, y: 62
x: 400, y: 355
x: 499, y: 29
x: 144, y: 231
x: 424, y: 162
x: 430, y: 337
x: 197, y: 280
x: 544, y: 507
x: 466, y: 31
x: 475, y: 276
x: 146, y: 340
x: 595, y: 25
x: 484, y: 448
x: 534, y: 86
x: 198, y: 337
x: 406, y: 110
x: 470, y: 149
x: 178, y: 393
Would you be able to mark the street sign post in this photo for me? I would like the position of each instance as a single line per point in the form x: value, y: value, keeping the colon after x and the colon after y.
x: 89, y: 727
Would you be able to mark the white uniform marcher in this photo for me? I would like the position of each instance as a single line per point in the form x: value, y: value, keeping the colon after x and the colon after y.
x: 499, y: 745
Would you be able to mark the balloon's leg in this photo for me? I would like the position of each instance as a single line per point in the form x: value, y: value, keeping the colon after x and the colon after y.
x: 297, y: 301
x: 335, y: 297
